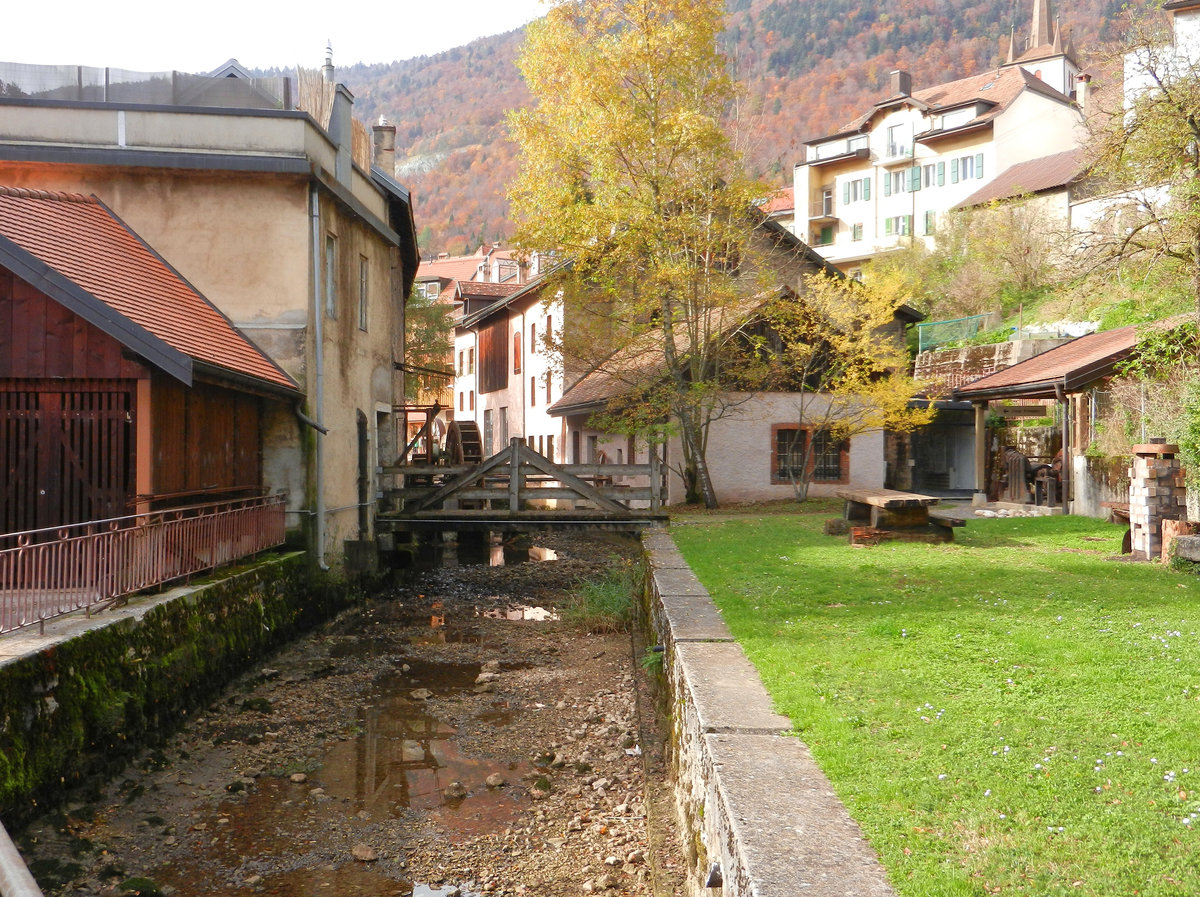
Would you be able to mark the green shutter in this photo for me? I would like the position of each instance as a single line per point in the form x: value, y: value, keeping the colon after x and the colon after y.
x: 941, y: 174
x: 953, y: 171
x: 914, y: 178
x: 887, y: 225
x: 846, y: 193
x: 887, y: 184
x: 979, y: 165
x: 866, y: 188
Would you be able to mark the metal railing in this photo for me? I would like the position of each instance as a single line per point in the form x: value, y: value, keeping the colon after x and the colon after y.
x: 50, y: 572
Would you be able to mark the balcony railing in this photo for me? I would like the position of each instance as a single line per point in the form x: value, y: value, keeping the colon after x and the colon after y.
x: 50, y: 572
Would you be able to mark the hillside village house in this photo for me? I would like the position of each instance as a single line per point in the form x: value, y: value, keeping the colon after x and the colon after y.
x: 507, y: 376
x: 278, y: 216
x: 894, y: 171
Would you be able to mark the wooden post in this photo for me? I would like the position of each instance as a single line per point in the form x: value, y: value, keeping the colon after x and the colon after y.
x: 514, y: 476
x: 981, y: 448
x: 655, y: 479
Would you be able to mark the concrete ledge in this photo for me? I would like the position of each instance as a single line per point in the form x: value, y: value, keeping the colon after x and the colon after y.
x: 747, y: 798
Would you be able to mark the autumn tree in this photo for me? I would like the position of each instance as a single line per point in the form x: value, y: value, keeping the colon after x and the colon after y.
x: 428, y: 345
x: 1147, y: 155
x: 840, y: 352
x: 626, y: 169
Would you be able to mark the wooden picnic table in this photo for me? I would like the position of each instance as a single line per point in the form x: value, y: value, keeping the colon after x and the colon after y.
x: 891, y: 514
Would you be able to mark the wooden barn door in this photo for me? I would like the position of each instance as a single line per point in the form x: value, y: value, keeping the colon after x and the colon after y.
x: 66, y: 452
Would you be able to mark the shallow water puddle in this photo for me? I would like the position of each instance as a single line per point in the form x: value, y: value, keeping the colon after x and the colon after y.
x: 402, y: 759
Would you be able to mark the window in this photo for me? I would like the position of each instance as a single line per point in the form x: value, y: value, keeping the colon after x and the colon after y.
x: 532, y: 339
x: 898, y: 141
x: 471, y: 400
x: 471, y: 360
x: 517, y: 352
x: 898, y: 226
x: 789, y: 454
x: 827, y: 457
x: 966, y: 167
x: 532, y: 392
x: 929, y: 175
x: 331, y: 275
x: 828, y: 462
x: 429, y: 290
x: 461, y: 370
x: 930, y: 221
x: 896, y: 182
x: 856, y: 190
x: 824, y: 237
x: 826, y: 207
x: 461, y: 401
x: 856, y: 143
x: 856, y: 232
x: 363, y: 272
x: 503, y: 427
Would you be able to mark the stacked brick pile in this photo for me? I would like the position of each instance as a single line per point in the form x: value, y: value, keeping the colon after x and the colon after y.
x: 1156, y: 493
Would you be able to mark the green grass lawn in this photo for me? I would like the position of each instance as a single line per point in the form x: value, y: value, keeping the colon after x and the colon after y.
x: 1013, y: 713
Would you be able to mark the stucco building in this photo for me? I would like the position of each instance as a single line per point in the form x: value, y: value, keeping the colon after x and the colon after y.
x: 280, y: 217
x: 891, y: 174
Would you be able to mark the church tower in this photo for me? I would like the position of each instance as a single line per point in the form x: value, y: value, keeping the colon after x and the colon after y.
x: 1046, y: 53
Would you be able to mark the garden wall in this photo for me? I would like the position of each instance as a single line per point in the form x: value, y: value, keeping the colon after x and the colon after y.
x: 75, y: 708
x: 750, y: 800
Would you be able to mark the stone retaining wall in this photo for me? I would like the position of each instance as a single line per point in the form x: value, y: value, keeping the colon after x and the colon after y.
x: 749, y: 799
x: 80, y: 700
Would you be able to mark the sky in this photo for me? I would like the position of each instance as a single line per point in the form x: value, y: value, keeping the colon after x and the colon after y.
x: 145, y: 36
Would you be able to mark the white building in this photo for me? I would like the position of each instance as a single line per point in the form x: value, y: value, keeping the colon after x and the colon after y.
x: 892, y: 173
x: 507, y: 374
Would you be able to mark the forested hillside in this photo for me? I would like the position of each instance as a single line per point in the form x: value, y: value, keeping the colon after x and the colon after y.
x: 807, y: 66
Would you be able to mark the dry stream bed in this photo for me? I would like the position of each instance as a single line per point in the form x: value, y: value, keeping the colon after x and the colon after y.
x: 451, y: 737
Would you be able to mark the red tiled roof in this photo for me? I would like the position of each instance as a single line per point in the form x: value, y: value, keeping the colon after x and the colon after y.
x: 1072, y: 365
x: 80, y: 239
x: 781, y: 201
x: 1030, y: 177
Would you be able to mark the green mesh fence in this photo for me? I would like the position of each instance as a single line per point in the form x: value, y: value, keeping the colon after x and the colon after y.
x: 938, y: 333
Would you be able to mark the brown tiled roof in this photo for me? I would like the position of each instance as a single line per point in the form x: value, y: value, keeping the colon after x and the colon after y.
x: 1030, y: 177
x: 1071, y: 365
x: 55, y: 236
x: 614, y: 377
x: 999, y: 87
x: 480, y: 289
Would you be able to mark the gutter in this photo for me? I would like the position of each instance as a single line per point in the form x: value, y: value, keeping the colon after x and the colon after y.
x: 318, y: 423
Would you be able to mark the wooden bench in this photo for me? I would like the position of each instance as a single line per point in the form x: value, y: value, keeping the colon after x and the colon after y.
x: 1119, y: 513
x: 881, y: 514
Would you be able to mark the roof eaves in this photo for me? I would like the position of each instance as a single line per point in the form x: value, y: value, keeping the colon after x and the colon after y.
x: 95, y: 311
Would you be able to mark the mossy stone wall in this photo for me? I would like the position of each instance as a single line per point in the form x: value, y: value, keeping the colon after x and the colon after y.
x: 77, y: 711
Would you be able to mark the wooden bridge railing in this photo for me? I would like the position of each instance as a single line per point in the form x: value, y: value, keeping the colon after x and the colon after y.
x: 518, y: 475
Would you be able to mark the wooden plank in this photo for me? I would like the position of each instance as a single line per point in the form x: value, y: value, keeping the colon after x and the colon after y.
x: 887, y: 498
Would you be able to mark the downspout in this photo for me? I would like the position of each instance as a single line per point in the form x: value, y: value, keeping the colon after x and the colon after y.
x: 1060, y: 393
x: 318, y: 382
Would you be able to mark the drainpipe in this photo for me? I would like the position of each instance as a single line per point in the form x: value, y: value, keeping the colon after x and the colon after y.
x: 15, y: 880
x: 318, y: 380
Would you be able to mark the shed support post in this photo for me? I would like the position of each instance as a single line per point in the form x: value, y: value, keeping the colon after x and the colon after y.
x: 980, y: 452
x: 514, y: 475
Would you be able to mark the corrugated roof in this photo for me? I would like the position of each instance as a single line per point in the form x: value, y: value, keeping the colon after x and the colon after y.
x: 1071, y: 365
x: 81, y: 240
x: 1034, y: 176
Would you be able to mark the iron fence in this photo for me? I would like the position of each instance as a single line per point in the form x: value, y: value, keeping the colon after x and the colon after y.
x: 50, y: 572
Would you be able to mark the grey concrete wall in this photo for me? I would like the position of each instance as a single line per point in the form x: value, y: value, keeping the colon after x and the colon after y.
x: 749, y: 798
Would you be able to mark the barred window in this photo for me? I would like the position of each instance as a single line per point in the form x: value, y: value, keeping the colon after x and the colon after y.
x: 789, y: 453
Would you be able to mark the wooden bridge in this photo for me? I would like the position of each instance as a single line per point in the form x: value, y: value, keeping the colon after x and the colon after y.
x: 519, y: 489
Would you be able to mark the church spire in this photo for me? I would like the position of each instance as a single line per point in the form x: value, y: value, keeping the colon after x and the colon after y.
x: 1039, y: 33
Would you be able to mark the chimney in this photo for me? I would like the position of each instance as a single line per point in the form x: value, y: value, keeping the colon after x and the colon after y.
x: 341, y: 126
x: 327, y: 68
x: 901, y: 83
x: 383, y: 137
x: 1083, y: 87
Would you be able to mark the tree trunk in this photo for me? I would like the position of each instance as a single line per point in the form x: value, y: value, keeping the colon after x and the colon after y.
x: 695, y: 464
